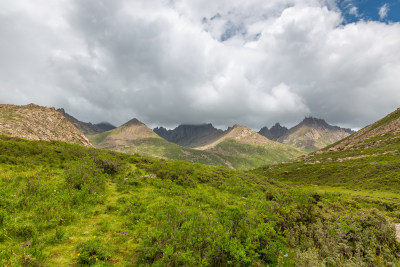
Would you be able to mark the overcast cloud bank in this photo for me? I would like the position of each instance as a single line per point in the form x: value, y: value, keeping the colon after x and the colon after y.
x: 169, y: 62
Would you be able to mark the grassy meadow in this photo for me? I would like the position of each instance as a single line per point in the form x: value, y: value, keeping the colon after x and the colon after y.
x: 63, y: 204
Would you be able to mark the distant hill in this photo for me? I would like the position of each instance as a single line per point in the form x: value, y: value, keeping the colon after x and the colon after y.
x: 369, y: 158
x: 190, y: 135
x: 274, y: 133
x: 229, y: 150
x: 135, y: 137
x: 86, y: 127
x: 35, y: 122
x: 242, y: 142
x: 312, y: 134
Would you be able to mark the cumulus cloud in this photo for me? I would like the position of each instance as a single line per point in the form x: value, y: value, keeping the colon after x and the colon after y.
x: 383, y: 11
x: 169, y: 62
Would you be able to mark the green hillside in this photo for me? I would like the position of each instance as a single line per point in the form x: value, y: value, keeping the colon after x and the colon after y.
x: 67, y: 205
x: 245, y: 156
x: 137, y: 138
x: 368, y: 159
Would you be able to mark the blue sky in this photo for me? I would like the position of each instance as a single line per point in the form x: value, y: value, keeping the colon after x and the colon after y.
x: 356, y: 10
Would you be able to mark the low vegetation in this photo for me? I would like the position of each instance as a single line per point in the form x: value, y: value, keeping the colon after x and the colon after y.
x: 65, y: 204
x: 372, y: 164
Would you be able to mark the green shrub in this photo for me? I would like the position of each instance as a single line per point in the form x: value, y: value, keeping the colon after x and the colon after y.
x: 91, y: 252
x: 108, y: 165
x: 83, y: 173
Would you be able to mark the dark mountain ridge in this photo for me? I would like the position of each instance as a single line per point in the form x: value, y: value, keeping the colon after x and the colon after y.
x: 275, y: 132
x: 190, y: 135
x: 87, y: 128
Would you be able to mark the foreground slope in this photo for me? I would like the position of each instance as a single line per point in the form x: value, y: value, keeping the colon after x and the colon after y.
x: 38, y: 123
x: 67, y: 205
x: 369, y: 158
x: 87, y: 128
x: 242, y: 142
x: 312, y: 134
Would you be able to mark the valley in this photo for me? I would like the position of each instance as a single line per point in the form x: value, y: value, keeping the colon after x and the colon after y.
x: 68, y: 203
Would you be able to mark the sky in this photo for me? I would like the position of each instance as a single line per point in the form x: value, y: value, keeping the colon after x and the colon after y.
x: 171, y: 62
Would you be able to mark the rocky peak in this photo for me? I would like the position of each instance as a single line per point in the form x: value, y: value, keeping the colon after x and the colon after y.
x: 322, y: 124
x: 190, y: 135
x: 274, y: 133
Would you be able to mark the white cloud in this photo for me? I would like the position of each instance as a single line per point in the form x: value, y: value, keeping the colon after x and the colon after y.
x: 168, y: 62
x: 383, y: 11
x: 354, y: 11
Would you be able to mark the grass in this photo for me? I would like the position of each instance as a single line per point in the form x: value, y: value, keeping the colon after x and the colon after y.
x: 247, y: 156
x: 98, y: 138
x: 372, y: 164
x: 65, y: 204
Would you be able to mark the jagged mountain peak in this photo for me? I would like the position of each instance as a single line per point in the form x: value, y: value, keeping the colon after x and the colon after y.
x: 274, y: 133
x: 321, y: 124
x: 315, y: 122
x: 188, y: 135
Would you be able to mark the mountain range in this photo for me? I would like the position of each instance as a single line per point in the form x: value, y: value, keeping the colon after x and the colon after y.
x: 190, y: 135
x: 309, y: 135
x: 237, y: 147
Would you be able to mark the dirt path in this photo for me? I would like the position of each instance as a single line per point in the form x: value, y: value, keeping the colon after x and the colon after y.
x: 397, y: 225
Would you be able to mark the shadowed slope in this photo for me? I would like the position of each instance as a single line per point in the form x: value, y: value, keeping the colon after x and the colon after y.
x: 87, y: 128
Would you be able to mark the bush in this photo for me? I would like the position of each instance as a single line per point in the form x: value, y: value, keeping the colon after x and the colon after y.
x: 91, y: 252
x: 85, y: 173
x: 108, y: 165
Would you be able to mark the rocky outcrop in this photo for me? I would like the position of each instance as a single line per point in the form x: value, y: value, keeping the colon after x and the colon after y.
x: 35, y: 122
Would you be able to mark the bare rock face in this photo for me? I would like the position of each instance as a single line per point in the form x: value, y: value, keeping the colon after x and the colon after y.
x: 35, y: 122
x: 274, y: 133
